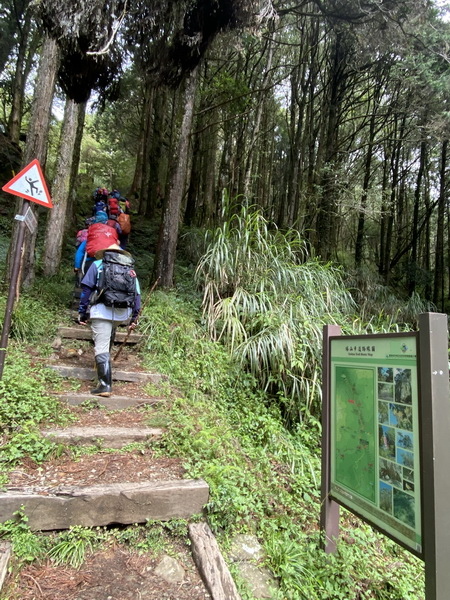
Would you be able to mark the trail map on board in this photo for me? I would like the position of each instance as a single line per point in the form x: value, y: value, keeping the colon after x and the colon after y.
x: 375, y: 462
x: 355, y: 448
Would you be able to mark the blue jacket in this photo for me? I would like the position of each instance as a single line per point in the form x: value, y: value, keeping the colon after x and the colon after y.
x: 79, y: 256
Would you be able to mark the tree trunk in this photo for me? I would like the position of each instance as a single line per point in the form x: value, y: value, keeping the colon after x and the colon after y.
x: 327, y: 208
x: 438, y: 288
x: 36, y: 147
x: 165, y: 253
x: 61, y: 190
x: 359, y: 245
x: 412, y: 271
x: 147, y: 140
x: 255, y: 132
x: 70, y: 221
x: 136, y: 185
x: 22, y: 69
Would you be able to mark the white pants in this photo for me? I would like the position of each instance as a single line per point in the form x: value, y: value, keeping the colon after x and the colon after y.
x: 102, y: 332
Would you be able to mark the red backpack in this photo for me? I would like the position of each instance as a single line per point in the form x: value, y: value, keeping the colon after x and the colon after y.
x: 114, y: 207
x: 99, y: 237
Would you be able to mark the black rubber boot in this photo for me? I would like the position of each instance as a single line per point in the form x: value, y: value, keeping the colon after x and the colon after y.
x: 104, y: 374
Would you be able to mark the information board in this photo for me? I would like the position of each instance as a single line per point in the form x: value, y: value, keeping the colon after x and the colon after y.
x: 374, y: 417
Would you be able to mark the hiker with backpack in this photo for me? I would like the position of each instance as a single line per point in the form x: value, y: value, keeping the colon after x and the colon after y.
x: 100, y: 196
x: 116, y: 212
x: 100, y: 235
x: 110, y: 297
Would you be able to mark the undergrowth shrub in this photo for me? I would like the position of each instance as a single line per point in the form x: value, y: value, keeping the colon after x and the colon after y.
x: 24, y: 403
x: 27, y: 546
x: 379, y: 308
x: 267, y: 301
x: 263, y: 478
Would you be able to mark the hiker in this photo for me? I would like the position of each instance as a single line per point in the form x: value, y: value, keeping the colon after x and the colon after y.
x: 118, y: 210
x: 113, y: 206
x: 114, y: 223
x: 100, y: 235
x: 125, y: 205
x: 100, y: 196
x: 110, y: 297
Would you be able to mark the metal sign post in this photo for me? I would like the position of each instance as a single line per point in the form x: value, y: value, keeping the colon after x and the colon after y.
x: 12, y: 288
x: 30, y: 185
x: 329, y: 509
x: 435, y: 418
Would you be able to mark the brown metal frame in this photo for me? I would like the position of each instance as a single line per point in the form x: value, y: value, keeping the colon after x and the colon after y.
x: 17, y: 258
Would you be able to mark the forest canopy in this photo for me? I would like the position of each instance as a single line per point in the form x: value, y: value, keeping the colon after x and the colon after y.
x: 329, y: 116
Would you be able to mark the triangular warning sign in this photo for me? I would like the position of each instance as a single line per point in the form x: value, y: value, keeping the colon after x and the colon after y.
x: 30, y: 184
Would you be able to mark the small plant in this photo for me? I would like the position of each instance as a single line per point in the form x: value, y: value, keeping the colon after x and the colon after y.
x: 28, y: 441
x: 73, y: 546
x: 27, y: 546
x: 149, y: 538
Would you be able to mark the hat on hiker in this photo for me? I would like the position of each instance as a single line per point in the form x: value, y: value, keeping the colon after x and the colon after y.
x: 114, y: 247
x: 101, y: 217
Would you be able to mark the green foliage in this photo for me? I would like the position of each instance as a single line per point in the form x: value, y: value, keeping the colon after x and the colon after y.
x: 379, y: 309
x: 268, y: 303
x: 364, y: 567
x: 27, y: 442
x: 24, y: 404
x: 263, y: 479
x: 33, y: 317
x: 223, y: 424
x: 155, y: 537
x: 27, y: 546
x: 73, y: 546
x: 5, y: 233
x: 30, y: 319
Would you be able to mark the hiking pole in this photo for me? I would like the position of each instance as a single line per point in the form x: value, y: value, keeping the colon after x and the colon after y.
x: 140, y: 310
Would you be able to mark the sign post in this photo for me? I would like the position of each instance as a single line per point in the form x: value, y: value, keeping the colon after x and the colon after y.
x: 30, y: 185
x: 435, y: 418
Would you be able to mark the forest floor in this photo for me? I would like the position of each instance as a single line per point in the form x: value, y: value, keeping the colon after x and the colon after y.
x: 116, y: 569
x: 113, y: 573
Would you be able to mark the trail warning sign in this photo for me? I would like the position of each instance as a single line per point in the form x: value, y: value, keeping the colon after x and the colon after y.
x: 30, y: 185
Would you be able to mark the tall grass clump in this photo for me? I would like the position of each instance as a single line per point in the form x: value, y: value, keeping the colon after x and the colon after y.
x: 268, y: 301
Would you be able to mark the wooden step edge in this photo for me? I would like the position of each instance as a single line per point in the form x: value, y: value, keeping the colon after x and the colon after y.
x: 108, y: 437
x: 87, y: 374
x: 210, y: 563
x: 84, y: 333
x: 5, y: 555
x: 111, y: 403
x: 99, y: 505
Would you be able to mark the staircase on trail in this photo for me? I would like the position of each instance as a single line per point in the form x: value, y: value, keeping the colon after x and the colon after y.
x: 52, y: 505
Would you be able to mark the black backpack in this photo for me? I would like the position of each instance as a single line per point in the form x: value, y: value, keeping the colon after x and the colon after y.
x: 116, y: 285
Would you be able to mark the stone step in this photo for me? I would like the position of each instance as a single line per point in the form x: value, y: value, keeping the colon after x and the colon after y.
x: 84, y: 333
x: 111, y: 403
x: 98, y: 505
x: 108, y: 437
x: 87, y: 374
